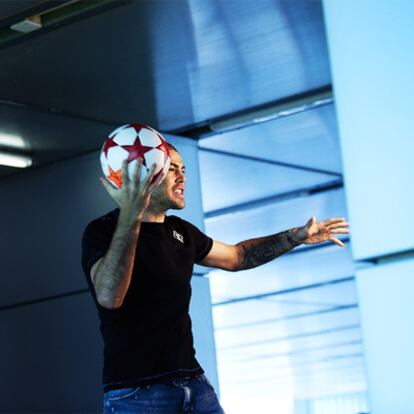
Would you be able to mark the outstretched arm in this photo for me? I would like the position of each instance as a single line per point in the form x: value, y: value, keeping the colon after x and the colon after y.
x: 255, y: 252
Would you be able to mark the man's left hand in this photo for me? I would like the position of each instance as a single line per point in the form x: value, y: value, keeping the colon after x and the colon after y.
x: 314, y: 232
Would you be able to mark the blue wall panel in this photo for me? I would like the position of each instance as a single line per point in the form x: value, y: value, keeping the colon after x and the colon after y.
x: 371, y: 44
x: 388, y: 335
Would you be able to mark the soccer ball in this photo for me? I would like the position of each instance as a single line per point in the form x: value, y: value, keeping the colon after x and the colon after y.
x: 131, y: 142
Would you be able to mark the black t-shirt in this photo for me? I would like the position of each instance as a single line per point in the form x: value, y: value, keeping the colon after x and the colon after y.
x: 149, y: 339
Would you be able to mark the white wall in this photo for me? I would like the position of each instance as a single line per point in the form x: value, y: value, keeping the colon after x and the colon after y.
x: 372, y: 60
x: 387, y: 309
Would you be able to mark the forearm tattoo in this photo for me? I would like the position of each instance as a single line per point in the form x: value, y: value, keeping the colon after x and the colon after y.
x: 260, y: 251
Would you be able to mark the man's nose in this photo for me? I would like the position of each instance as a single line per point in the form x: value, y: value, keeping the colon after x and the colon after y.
x: 181, y: 176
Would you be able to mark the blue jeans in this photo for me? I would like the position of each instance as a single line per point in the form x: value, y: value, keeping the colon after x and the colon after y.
x: 184, y: 395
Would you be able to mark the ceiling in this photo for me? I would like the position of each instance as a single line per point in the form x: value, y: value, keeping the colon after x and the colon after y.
x: 180, y: 65
x: 171, y: 64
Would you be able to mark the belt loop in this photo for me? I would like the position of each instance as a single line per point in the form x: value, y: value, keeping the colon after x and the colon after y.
x: 183, y: 383
x: 187, y: 398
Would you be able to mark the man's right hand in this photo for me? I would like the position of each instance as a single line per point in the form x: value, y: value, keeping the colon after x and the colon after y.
x: 111, y: 275
x: 134, y: 195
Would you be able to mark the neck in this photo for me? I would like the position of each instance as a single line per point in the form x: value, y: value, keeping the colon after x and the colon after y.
x: 153, y: 216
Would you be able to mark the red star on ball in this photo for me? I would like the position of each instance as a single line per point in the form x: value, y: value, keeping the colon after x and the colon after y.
x: 109, y: 143
x: 115, y: 177
x: 137, y: 150
x: 164, y: 148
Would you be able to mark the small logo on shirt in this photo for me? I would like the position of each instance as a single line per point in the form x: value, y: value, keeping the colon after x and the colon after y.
x: 178, y: 236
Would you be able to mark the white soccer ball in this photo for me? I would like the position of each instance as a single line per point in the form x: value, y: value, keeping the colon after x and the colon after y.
x: 131, y: 142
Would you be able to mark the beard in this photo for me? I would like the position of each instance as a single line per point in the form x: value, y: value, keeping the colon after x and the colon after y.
x: 161, y: 201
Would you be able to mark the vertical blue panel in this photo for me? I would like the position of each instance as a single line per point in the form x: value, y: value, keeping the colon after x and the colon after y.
x: 51, y: 357
x: 200, y: 309
x: 203, y: 329
x: 371, y: 48
x: 371, y: 45
x: 387, y: 309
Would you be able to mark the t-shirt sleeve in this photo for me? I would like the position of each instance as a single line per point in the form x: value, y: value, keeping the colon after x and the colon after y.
x: 202, y: 242
x: 95, y: 243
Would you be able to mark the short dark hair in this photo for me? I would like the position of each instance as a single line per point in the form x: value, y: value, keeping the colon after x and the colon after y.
x: 171, y: 147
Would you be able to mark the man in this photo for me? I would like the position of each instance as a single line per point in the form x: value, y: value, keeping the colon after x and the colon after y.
x: 138, y: 263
